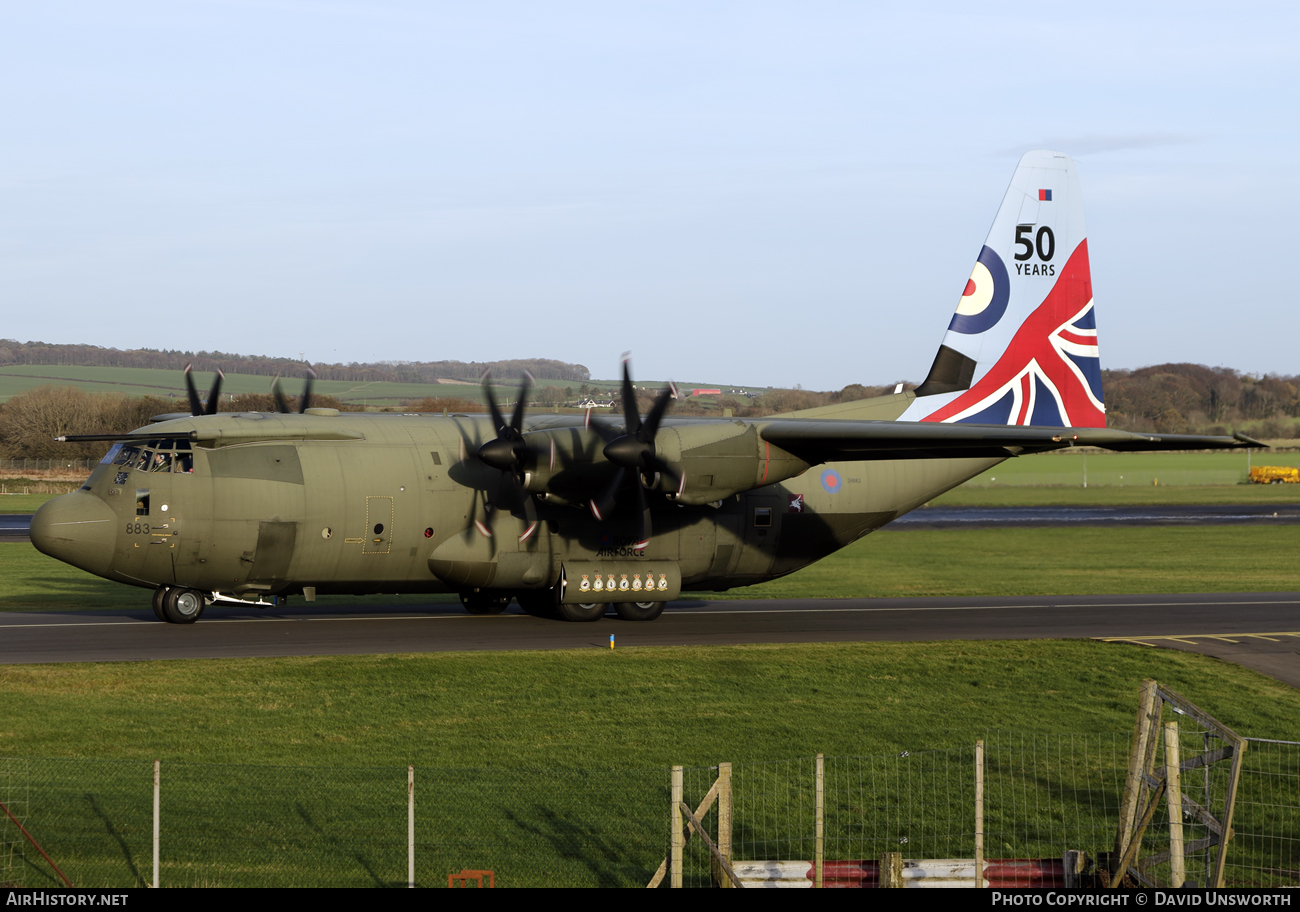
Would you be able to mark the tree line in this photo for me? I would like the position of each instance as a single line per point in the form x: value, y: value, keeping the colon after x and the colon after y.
x: 14, y: 352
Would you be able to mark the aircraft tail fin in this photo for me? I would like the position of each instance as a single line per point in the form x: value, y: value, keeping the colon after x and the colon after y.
x: 1022, y: 347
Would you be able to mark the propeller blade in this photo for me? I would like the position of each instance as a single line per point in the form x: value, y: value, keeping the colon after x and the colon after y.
x: 655, y: 464
x: 602, y: 505
x: 196, y: 407
x: 214, y: 395
x: 517, y: 419
x: 306, y: 390
x: 643, y: 532
x: 281, y: 405
x: 651, y: 426
x: 530, y: 516
x: 630, y: 414
x: 498, y: 422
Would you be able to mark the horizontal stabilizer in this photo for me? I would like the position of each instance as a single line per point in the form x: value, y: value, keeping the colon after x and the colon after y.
x: 826, y: 441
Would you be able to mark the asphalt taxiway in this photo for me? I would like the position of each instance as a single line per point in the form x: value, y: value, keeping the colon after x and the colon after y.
x: 1256, y: 630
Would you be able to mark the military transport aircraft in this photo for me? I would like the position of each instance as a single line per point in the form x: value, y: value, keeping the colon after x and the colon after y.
x: 570, y: 514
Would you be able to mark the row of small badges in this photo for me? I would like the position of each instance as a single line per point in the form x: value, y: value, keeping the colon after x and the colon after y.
x: 635, y: 585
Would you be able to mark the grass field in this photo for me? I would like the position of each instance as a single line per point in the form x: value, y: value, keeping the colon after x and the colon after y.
x: 1143, y: 470
x: 549, y: 767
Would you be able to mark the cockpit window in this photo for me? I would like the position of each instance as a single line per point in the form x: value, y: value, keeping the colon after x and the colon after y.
x: 161, y: 462
x: 125, y: 454
x: 141, y: 463
x: 111, y: 455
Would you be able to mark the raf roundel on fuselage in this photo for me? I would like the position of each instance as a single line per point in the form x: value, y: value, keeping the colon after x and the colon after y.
x: 984, y: 299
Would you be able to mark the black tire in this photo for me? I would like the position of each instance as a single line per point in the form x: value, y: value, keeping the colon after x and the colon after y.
x: 183, y: 606
x: 588, y: 611
x: 482, y: 603
x: 159, y: 595
x: 639, y: 611
x: 540, y: 603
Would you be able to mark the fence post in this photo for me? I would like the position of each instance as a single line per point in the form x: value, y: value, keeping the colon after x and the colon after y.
x: 1174, y: 798
x: 157, y: 777
x: 979, y: 815
x: 890, y: 870
x: 724, y: 818
x: 410, y: 827
x: 1134, y: 786
x: 678, y: 843
x: 819, y: 846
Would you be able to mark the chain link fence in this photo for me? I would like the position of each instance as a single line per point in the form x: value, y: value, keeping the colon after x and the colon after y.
x: 232, y: 825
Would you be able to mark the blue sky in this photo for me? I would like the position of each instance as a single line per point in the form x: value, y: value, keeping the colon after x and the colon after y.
x: 749, y: 192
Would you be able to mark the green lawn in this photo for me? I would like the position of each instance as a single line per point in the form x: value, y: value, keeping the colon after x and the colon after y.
x: 1129, y: 470
x: 1138, y: 495
x: 23, y: 503
x: 550, y: 767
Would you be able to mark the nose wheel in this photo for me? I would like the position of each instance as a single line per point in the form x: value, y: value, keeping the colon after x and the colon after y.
x: 158, y: 595
x: 178, y: 606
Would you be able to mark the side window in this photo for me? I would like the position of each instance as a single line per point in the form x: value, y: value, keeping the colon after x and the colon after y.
x: 111, y: 456
x: 141, y: 463
x: 141, y: 501
x: 185, y: 463
x: 127, y: 456
x: 162, y: 462
x: 762, y: 517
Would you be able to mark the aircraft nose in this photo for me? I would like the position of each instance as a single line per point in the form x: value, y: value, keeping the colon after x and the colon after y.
x: 78, y: 529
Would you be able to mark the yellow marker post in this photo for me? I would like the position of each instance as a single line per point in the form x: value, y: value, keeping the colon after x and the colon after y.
x: 611, y: 641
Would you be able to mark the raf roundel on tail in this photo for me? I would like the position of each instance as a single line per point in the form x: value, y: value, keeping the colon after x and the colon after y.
x: 1022, y: 346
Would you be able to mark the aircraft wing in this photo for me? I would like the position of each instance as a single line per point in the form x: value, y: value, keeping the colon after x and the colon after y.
x: 824, y: 441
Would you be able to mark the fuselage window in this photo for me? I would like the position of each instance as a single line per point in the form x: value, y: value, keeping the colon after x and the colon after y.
x: 763, y: 517
x: 141, y: 501
x: 185, y: 463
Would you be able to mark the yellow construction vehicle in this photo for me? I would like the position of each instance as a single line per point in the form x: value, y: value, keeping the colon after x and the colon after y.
x: 1275, y: 475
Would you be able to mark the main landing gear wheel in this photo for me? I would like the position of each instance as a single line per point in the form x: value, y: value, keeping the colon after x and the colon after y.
x: 182, y: 606
x: 159, y: 596
x: 587, y: 611
x: 639, y: 611
x: 484, y: 603
x: 540, y: 603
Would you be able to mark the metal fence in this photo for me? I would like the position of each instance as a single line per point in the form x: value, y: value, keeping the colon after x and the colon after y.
x: 232, y: 825
x: 47, y: 465
x: 1041, y: 795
